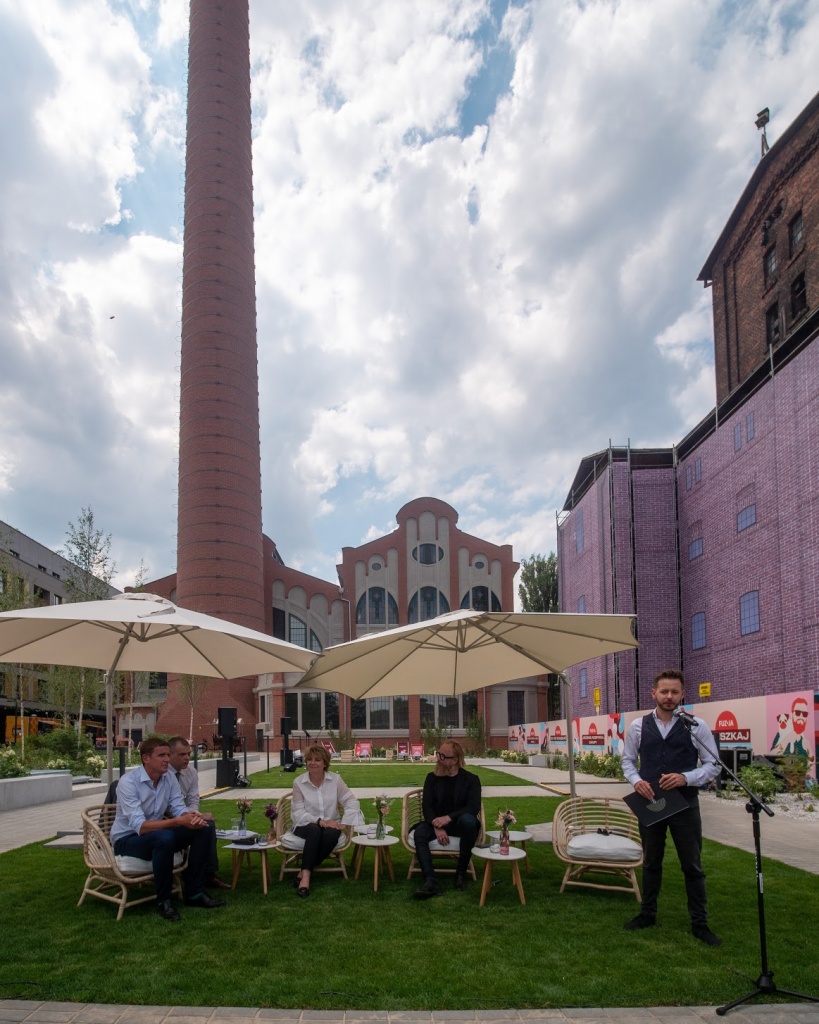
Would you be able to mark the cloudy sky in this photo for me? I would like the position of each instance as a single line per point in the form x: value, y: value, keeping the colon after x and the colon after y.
x: 479, y: 225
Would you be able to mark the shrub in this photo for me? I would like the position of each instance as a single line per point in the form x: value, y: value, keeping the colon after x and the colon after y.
x: 10, y: 765
x: 795, y: 768
x: 760, y: 779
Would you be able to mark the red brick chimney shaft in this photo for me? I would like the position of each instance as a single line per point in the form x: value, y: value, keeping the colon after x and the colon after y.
x: 219, y: 541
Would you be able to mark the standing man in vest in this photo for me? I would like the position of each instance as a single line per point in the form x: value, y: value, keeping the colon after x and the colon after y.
x: 669, y: 753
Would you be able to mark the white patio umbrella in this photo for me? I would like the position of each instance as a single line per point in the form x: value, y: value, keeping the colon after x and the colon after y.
x: 466, y: 650
x: 142, y: 633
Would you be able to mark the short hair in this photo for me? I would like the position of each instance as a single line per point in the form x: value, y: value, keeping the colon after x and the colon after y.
x: 178, y: 741
x: 670, y: 673
x: 457, y: 750
x: 147, y: 747
x: 320, y: 751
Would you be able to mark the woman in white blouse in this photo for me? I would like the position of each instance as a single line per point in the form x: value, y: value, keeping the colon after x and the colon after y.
x: 317, y: 796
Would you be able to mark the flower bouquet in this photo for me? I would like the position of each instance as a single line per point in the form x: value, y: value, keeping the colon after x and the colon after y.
x: 271, y: 812
x: 506, y: 817
x: 382, y: 807
x: 243, y: 806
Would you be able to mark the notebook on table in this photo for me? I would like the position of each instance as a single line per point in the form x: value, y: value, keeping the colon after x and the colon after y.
x: 666, y: 803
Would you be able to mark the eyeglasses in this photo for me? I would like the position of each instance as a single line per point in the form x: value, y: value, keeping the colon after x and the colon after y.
x: 800, y: 714
x: 445, y: 757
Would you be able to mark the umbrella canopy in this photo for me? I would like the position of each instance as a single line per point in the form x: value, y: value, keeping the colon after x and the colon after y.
x: 142, y: 633
x: 466, y: 650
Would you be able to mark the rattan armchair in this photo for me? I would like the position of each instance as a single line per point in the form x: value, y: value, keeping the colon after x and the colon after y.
x: 112, y: 878
x: 412, y: 812
x: 290, y: 846
x: 599, y: 838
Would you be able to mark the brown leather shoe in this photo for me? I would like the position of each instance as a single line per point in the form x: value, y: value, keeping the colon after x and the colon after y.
x: 217, y: 883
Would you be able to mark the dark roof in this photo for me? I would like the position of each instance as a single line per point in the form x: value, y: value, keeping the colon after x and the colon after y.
x: 753, y: 184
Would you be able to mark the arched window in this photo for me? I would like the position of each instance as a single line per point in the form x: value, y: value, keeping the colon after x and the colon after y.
x: 376, y: 607
x: 428, y: 554
x: 481, y: 599
x: 298, y: 632
x: 426, y: 603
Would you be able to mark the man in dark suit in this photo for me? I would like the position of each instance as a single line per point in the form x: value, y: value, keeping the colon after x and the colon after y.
x: 452, y: 807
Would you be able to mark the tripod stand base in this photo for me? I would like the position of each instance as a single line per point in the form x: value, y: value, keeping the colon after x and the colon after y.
x: 765, y: 986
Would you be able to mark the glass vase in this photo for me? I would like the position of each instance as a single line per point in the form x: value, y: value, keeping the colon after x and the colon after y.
x: 504, y: 843
x: 242, y: 826
x: 380, y: 830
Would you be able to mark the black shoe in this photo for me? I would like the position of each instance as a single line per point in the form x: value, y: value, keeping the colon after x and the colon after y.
x: 204, y: 900
x: 429, y: 889
x: 167, y: 911
x: 460, y: 881
x: 704, y: 934
x: 302, y: 892
x: 640, y: 921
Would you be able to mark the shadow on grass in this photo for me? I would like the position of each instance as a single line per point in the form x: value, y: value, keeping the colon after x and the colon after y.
x: 350, y: 948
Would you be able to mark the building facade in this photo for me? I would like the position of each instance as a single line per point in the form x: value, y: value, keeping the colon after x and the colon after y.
x: 714, y: 543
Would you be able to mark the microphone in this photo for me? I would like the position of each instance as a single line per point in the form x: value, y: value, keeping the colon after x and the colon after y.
x: 685, y: 717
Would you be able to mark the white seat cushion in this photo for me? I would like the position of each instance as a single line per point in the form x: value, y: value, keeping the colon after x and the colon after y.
x: 593, y: 846
x: 453, y: 846
x: 136, y: 866
x: 290, y: 841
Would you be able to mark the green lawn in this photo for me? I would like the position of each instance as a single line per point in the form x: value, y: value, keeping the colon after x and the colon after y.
x: 383, y: 774
x: 348, y: 947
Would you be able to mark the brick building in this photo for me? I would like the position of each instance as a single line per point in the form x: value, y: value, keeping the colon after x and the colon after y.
x: 714, y: 542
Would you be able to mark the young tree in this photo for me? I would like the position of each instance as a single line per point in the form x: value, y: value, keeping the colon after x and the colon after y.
x: 88, y: 578
x: 192, y: 690
x: 538, y: 583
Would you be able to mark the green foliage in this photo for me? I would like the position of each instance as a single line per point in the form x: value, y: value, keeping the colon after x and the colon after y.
x: 88, y: 549
x: 344, y: 739
x: 760, y: 779
x: 11, y: 767
x: 538, y: 583
x: 475, y: 739
x: 432, y: 737
x: 62, y: 742
x: 514, y: 756
x: 795, y: 769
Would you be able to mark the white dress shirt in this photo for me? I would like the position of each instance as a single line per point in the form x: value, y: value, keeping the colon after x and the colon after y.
x: 313, y: 802
x: 709, y: 767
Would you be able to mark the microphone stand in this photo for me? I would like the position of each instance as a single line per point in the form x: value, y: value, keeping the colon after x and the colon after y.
x: 765, y: 985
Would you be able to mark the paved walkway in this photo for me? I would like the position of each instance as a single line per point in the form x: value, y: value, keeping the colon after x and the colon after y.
x: 16, y: 1010
x: 792, y: 841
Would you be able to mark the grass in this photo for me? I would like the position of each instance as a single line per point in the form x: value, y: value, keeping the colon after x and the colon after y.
x: 350, y: 948
x: 384, y: 774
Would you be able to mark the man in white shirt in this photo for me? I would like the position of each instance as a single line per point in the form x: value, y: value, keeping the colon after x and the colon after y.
x: 668, y: 751
x: 152, y: 823
x: 188, y: 778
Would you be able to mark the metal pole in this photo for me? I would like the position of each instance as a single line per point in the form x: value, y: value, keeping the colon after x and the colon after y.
x: 567, y: 704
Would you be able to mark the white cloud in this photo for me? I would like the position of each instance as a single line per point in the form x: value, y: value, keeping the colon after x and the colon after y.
x: 462, y: 315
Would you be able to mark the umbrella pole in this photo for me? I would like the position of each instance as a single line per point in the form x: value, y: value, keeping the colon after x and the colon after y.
x: 567, y: 704
x: 109, y: 707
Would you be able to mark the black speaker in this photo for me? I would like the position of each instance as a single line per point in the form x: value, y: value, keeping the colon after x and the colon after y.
x: 285, y: 757
x: 285, y: 723
x: 227, y: 772
x: 227, y: 723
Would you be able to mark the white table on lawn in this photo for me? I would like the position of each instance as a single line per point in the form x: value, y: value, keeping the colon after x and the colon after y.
x: 519, y: 836
x: 512, y: 857
x: 241, y: 852
x: 383, y: 857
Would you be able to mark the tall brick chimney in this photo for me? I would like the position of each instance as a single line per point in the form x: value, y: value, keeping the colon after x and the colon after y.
x: 219, y: 541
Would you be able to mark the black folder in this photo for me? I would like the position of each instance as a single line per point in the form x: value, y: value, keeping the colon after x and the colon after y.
x: 665, y: 803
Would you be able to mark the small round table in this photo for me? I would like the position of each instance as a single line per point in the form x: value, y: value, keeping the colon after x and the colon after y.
x: 382, y: 855
x: 240, y: 852
x: 515, y: 837
x: 515, y: 854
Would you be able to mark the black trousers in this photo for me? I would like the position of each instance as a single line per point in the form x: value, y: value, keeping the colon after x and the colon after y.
x: 466, y: 828
x: 319, y: 843
x: 159, y: 847
x: 686, y: 832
